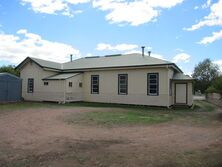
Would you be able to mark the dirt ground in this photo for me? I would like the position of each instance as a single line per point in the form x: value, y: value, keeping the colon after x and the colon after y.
x: 39, y: 137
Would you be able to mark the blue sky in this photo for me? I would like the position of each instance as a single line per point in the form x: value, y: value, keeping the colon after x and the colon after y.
x: 182, y: 31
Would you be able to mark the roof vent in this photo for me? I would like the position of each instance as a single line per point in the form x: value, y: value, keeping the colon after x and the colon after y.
x: 149, y: 53
x: 143, y: 47
x: 71, y: 58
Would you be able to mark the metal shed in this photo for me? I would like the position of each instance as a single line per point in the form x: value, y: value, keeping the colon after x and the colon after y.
x: 10, y: 88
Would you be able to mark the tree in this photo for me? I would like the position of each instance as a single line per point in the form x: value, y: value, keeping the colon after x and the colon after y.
x: 9, y: 69
x: 204, y: 74
x: 216, y: 86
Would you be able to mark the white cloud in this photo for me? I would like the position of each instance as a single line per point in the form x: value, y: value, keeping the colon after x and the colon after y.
x: 207, y: 4
x: 219, y: 63
x: 215, y: 36
x: 181, y: 57
x: 196, y: 7
x: 134, y: 12
x: 158, y: 56
x: 213, y: 19
x: 179, y: 50
x: 15, y: 48
x: 133, y: 51
x: 89, y: 54
x: 54, y: 6
x: 119, y: 47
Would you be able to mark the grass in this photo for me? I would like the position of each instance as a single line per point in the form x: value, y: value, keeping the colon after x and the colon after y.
x: 120, y: 114
x: 204, y: 106
x: 118, y: 117
x: 135, y: 115
x: 24, y: 105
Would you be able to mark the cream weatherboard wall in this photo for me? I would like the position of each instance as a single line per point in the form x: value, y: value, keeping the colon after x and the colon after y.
x: 137, y: 87
x: 32, y: 70
x: 56, y: 90
x: 74, y: 93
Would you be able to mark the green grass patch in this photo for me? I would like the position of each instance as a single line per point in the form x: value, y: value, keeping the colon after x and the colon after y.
x: 118, y: 114
x: 203, y: 106
x: 119, y: 117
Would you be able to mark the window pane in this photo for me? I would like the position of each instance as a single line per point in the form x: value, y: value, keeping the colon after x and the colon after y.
x: 95, y: 82
x: 123, y: 82
x: 122, y: 77
x: 153, y: 76
x: 153, y: 81
x: 123, y: 86
x: 153, y: 91
x: 153, y: 86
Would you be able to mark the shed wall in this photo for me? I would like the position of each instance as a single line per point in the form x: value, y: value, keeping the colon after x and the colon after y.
x: 10, y: 88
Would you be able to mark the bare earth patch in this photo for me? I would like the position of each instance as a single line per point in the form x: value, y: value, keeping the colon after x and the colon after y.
x: 38, y: 137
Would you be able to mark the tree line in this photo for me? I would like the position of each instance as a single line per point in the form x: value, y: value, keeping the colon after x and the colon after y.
x: 208, y: 78
x: 9, y: 69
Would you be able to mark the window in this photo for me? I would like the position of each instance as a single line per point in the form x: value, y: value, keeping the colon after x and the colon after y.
x: 30, y: 85
x: 123, y: 84
x: 46, y: 83
x: 70, y: 84
x: 94, y: 84
x: 171, y: 89
x: 153, y: 84
x: 80, y: 84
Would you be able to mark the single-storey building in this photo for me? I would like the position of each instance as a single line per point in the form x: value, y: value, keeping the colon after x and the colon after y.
x: 126, y: 79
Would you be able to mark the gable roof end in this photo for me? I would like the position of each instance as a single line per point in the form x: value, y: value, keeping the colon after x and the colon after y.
x: 41, y: 63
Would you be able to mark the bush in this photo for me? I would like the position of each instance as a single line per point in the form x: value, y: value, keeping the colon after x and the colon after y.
x: 216, y: 86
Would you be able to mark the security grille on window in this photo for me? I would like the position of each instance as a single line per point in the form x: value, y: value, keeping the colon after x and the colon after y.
x: 123, y: 84
x: 153, y: 84
x: 70, y: 84
x: 30, y: 85
x: 46, y: 83
x: 95, y: 84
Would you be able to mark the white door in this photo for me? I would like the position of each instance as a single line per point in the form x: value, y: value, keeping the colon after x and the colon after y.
x: 181, y: 93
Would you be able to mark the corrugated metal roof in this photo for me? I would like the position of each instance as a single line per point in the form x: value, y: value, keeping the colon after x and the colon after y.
x: 109, y: 61
x: 45, y: 63
x: 181, y: 76
x: 62, y: 76
x: 114, y: 61
x: 6, y: 75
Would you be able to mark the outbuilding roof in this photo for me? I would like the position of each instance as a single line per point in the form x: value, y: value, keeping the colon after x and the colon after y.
x: 62, y: 76
x: 5, y: 76
x: 181, y: 76
x: 97, y: 62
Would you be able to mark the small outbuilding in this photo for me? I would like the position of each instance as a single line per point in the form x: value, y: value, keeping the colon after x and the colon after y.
x: 10, y: 88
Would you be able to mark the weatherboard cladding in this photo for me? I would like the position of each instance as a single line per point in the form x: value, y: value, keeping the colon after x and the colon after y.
x: 98, y: 62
